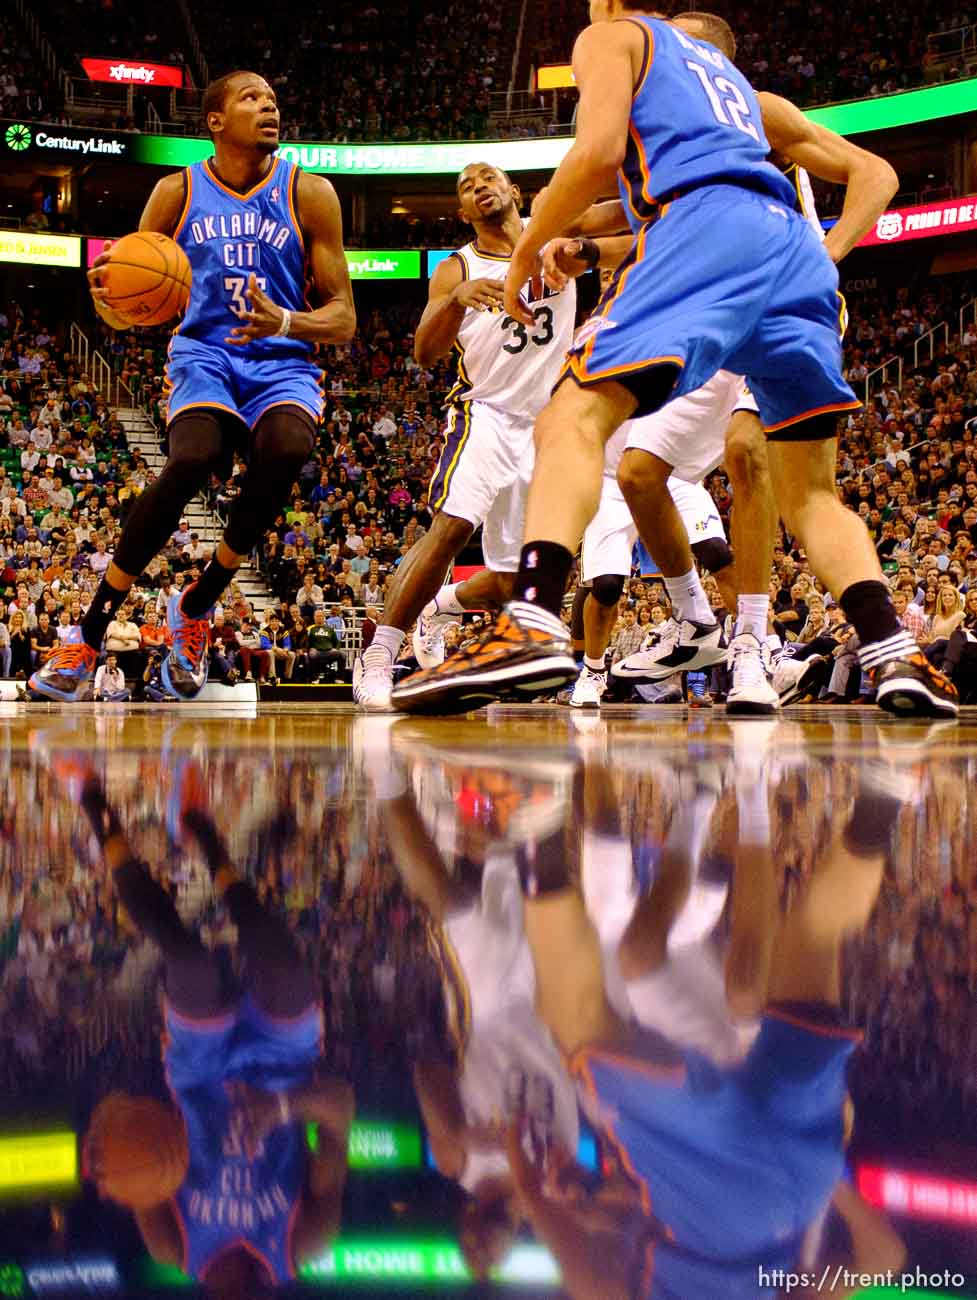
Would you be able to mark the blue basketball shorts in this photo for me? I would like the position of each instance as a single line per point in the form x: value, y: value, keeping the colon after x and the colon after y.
x: 205, y: 375
x: 726, y: 279
x: 243, y: 1042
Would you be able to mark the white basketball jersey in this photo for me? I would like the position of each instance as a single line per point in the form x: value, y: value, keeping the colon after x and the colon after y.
x: 805, y: 198
x: 503, y: 362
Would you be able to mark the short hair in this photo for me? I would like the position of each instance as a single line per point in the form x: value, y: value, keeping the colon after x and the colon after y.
x: 215, y: 96
x: 500, y: 170
x: 715, y: 30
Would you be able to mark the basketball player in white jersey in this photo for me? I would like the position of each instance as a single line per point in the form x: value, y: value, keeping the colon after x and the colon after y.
x: 507, y: 1061
x: 506, y: 371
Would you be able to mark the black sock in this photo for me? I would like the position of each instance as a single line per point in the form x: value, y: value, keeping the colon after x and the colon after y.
x: 209, y: 839
x: 103, y: 609
x: 871, y: 824
x: 869, y: 609
x: 544, y: 568
x: 544, y: 866
x: 105, y: 822
x: 208, y: 590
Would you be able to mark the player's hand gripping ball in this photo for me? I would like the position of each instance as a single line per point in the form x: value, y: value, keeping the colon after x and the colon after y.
x: 136, y: 1150
x: 143, y: 278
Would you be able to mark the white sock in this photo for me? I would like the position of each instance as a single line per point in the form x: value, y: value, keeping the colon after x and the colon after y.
x: 751, y: 616
x: 447, y: 602
x: 753, y: 810
x: 595, y: 665
x: 391, y: 639
x: 688, y: 598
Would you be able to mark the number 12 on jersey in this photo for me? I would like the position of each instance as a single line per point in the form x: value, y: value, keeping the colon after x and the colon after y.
x: 727, y: 101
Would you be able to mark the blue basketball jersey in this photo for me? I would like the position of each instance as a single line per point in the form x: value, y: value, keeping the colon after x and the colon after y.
x: 695, y: 120
x: 228, y: 237
x: 230, y: 1200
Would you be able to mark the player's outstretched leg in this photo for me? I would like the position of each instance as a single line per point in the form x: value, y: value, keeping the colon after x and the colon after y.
x: 843, y: 557
x: 528, y: 647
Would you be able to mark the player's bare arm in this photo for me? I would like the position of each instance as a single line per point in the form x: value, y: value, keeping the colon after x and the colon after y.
x: 565, y: 259
x: 161, y: 214
x: 438, y: 1095
x: 606, y: 62
x: 335, y: 320
x: 161, y: 1234
x: 870, y: 181
x: 449, y: 297
x: 329, y: 1103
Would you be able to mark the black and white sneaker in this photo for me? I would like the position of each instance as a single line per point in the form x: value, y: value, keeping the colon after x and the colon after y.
x: 794, y: 678
x: 682, y: 647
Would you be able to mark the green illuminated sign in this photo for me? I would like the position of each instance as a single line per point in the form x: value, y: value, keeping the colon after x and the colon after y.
x: 906, y: 109
x: 12, y: 1281
x: 412, y: 1262
x: 30, y: 1160
x: 375, y: 1145
x: 384, y: 264
x: 18, y: 137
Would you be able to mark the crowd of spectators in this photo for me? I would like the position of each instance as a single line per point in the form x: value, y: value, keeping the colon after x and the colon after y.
x: 908, y: 464
x: 407, y: 71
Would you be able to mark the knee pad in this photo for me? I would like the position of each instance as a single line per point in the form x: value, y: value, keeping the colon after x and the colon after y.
x: 714, y: 553
x: 607, y: 589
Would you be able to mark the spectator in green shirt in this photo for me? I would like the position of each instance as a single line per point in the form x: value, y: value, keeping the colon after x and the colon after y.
x: 324, y: 652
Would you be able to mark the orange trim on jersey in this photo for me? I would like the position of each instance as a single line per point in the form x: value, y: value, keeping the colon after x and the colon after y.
x: 647, y: 59
x: 290, y: 402
x: 251, y: 1249
x: 807, y: 415
x: 842, y: 313
x: 580, y: 1069
x: 615, y: 292
x: 293, y: 182
x: 188, y: 173
x: 579, y: 368
x: 813, y: 1026
x: 674, y: 1074
x: 192, y: 406
x: 221, y: 1021
x: 233, y: 193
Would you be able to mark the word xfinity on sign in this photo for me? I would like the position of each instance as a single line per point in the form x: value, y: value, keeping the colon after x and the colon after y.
x: 122, y: 72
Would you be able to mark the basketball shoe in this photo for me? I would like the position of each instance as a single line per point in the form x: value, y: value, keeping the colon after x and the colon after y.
x: 682, y: 647
x: 526, y: 648
x: 911, y: 687
x: 373, y: 679
x: 68, y: 672
x: 794, y: 678
x: 751, y: 692
x: 428, y: 636
x: 588, y: 690
x: 184, y: 669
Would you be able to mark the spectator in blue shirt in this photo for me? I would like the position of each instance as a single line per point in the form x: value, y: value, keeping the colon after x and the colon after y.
x: 335, y: 621
x: 279, y: 646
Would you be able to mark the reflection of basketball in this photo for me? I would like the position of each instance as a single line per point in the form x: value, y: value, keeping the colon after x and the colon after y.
x: 147, y: 277
x: 136, y: 1150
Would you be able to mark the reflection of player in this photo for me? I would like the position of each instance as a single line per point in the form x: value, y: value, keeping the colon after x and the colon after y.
x: 505, y: 373
x: 508, y: 1062
x: 239, y: 370
x: 723, y: 1165
x: 242, y: 1068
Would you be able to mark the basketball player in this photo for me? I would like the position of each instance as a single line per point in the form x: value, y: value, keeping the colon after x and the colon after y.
x: 726, y: 1141
x: 240, y: 373
x: 506, y: 369
x: 605, y: 564
x: 507, y: 1060
x: 242, y: 1067
x: 729, y: 277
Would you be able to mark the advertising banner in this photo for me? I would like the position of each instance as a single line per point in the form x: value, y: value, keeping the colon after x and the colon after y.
x: 948, y: 217
x: 133, y: 72
x: 37, y: 249
x: 384, y: 264
x: 32, y: 141
x: 918, y: 1196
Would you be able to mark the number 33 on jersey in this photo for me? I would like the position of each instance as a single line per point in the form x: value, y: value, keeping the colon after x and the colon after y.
x: 502, y: 362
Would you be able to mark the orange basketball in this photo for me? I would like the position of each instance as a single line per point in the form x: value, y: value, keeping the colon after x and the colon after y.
x: 147, y: 277
x: 136, y: 1150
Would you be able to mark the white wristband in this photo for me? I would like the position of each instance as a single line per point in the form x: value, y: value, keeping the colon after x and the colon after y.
x: 284, y: 1108
x: 285, y: 327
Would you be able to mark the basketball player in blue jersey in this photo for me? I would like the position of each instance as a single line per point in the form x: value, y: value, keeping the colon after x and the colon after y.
x: 240, y: 373
x: 720, y: 1161
x: 723, y: 274
x: 243, y: 1067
